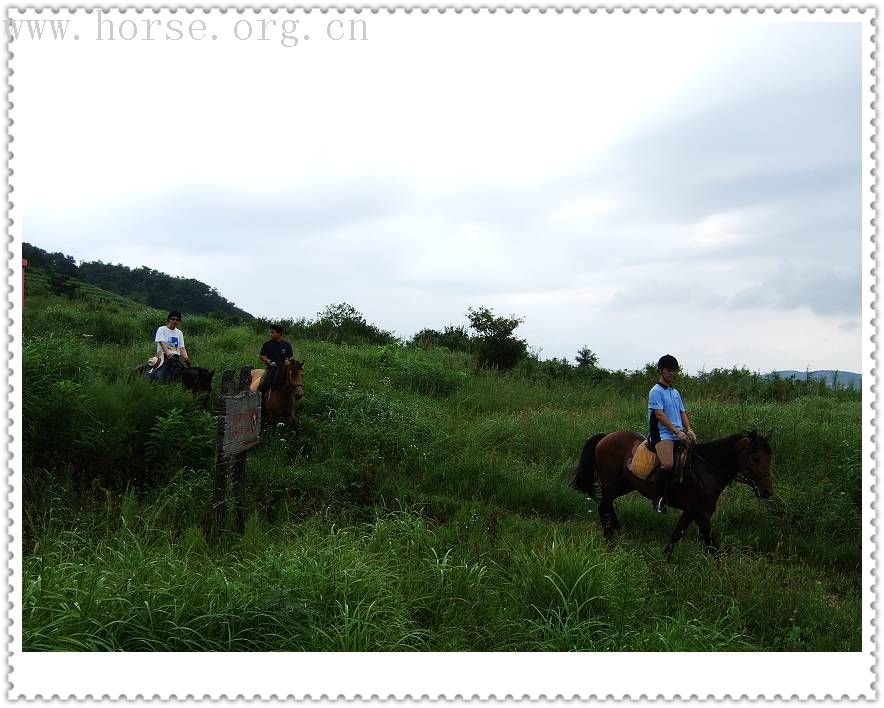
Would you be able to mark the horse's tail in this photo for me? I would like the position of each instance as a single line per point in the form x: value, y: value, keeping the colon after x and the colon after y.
x: 586, y: 473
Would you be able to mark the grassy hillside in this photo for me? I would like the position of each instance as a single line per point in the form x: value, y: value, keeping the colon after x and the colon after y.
x: 143, y: 285
x: 422, y: 505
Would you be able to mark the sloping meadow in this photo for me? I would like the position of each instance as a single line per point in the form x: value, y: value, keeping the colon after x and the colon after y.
x: 421, y: 505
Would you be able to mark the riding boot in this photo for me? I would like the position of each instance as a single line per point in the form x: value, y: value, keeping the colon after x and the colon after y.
x: 662, y: 490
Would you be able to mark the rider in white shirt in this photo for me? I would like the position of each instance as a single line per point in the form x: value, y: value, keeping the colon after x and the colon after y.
x: 170, y: 347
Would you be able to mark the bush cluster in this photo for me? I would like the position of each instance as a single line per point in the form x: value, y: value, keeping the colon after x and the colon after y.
x: 97, y: 431
x: 341, y: 323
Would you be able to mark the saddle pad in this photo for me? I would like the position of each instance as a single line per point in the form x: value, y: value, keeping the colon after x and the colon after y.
x: 644, y: 461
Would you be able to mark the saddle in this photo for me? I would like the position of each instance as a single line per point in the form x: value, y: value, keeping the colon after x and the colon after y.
x: 264, y: 381
x: 644, y: 460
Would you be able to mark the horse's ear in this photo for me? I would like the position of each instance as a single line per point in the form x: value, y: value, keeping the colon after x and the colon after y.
x: 767, y: 435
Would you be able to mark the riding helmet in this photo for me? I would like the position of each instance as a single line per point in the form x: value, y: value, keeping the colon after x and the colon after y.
x: 669, y: 362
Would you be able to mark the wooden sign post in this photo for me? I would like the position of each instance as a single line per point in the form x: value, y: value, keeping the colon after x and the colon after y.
x: 239, y: 427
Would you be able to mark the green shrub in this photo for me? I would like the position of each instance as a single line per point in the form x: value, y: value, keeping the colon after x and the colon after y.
x: 401, y: 368
x: 178, y: 440
x: 372, y: 427
x: 497, y: 347
x: 455, y: 339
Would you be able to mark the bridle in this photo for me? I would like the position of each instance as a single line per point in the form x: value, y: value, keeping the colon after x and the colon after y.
x: 289, y: 379
x: 741, y: 476
x: 746, y: 479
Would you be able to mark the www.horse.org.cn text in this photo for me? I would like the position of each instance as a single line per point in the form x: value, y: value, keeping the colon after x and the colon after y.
x: 123, y: 29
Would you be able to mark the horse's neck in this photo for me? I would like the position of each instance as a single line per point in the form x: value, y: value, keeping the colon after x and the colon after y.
x: 720, y: 459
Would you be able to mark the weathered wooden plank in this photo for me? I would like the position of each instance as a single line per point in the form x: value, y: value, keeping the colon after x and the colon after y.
x: 245, y: 378
x: 241, y: 421
x: 239, y: 427
x: 239, y: 489
x: 228, y: 385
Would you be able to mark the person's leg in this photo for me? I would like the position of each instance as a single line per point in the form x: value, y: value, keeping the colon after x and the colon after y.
x: 166, y: 372
x: 265, y: 380
x: 664, y: 450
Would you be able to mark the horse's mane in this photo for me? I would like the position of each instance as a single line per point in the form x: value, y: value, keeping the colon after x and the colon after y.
x: 722, y: 444
x: 277, y: 379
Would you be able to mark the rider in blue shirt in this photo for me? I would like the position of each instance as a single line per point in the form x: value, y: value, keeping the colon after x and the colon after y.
x: 668, y: 422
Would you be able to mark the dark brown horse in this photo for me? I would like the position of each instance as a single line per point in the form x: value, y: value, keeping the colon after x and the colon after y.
x: 195, y: 379
x: 710, y: 467
x: 285, y: 388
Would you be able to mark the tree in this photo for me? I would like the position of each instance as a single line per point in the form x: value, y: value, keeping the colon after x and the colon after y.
x: 587, y: 359
x: 344, y: 323
x: 497, y: 346
x: 60, y: 284
x: 452, y: 338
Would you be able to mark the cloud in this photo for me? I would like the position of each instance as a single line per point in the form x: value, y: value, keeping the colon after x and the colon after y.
x: 578, y: 193
x: 825, y: 291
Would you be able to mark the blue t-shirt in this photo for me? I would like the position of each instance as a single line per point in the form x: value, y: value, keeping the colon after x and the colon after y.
x: 668, y: 400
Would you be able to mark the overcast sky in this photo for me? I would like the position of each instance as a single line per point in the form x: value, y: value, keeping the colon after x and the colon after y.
x: 639, y: 185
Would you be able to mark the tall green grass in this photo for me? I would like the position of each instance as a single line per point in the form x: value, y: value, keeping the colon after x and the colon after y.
x: 422, y: 504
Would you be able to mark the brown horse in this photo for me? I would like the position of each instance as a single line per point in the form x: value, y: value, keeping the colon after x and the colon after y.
x: 285, y: 388
x: 710, y: 467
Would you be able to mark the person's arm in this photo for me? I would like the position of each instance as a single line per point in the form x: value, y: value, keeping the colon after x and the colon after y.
x: 685, y: 421
x: 184, y: 356
x: 164, y: 348
x: 664, y: 421
x: 263, y: 355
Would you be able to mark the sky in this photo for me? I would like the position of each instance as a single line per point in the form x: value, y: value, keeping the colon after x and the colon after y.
x: 638, y: 185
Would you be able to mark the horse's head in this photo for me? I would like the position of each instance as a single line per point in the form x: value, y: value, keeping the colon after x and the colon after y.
x: 294, y: 371
x: 204, y: 380
x: 755, y: 456
x: 197, y: 380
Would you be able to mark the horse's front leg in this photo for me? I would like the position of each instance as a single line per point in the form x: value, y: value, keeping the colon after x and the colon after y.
x: 704, y: 522
x: 683, y: 522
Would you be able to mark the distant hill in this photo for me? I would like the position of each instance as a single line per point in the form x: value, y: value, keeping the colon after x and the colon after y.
x: 43, y: 280
x: 143, y: 285
x: 845, y: 379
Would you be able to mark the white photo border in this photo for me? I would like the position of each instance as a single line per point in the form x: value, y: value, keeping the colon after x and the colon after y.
x: 802, y: 676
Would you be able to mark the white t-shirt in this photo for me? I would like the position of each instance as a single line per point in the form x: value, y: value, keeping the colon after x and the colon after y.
x: 174, y: 339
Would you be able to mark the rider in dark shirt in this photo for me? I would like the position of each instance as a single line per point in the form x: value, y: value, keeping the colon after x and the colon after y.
x: 275, y: 352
